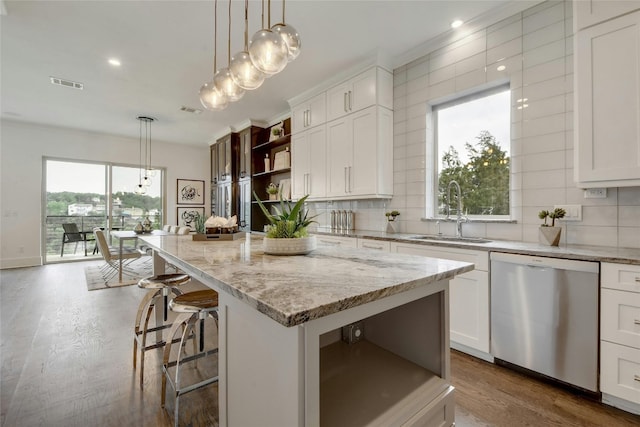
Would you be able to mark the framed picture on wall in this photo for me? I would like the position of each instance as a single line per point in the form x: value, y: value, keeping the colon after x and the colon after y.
x: 190, y: 192
x: 187, y: 216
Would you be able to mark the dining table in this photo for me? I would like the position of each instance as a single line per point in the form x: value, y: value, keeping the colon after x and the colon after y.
x: 124, y: 235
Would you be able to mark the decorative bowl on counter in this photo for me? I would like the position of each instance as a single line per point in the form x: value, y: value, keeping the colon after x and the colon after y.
x: 292, y: 246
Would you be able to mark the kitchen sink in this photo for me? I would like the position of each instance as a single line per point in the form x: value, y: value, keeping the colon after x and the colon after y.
x: 440, y: 238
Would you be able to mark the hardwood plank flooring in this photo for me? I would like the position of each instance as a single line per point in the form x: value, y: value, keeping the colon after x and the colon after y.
x: 66, y: 361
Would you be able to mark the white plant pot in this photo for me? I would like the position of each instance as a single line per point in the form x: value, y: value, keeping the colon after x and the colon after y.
x: 549, y: 235
x: 299, y: 246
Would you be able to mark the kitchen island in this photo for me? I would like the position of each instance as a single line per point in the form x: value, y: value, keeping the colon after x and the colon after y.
x: 282, y: 361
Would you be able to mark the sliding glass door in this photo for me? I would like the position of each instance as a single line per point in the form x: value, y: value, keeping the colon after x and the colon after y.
x: 79, y: 196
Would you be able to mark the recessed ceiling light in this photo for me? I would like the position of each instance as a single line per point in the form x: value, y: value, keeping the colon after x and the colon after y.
x: 114, y: 61
x: 501, y: 67
x: 456, y: 23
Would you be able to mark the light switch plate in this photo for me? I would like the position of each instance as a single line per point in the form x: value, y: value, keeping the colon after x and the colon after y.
x: 573, y: 212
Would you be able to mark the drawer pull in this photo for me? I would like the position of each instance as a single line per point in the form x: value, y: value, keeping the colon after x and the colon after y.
x: 364, y: 245
x: 638, y: 279
x: 636, y: 321
x: 636, y: 378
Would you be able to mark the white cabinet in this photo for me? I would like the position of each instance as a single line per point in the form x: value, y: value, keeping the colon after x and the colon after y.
x: 308, y: 114
x: 373, y: 86
x: 590, y: 12
x: 607, y: 103
x: 360, y: 155
x: 468, y: 297
x: 620, y: 336
x: 309, y: 163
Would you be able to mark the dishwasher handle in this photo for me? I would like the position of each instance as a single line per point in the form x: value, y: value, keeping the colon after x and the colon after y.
x: 547, y: 262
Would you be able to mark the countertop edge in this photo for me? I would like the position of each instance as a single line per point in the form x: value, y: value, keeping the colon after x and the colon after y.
x: 574, y: 252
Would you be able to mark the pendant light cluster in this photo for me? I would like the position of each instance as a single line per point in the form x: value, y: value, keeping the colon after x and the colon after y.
x: 146, y: 171
x: 267, y: 54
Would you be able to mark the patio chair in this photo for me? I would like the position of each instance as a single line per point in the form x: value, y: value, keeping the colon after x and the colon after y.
x: 73, y: 235
x: 112, y: 257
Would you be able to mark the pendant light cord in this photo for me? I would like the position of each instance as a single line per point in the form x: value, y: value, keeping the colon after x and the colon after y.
x: 229, y: 38
x: 283, y: 3
x: 215, y: 34
x: 246, y: 25
x: 269, y: 14
x: 140, y: 154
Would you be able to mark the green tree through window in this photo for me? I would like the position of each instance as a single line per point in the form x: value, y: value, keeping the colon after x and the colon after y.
x: 483, y: 179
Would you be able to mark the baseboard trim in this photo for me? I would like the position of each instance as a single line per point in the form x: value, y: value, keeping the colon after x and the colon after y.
x: 625, y: 405
x: 20, y: 262
x: 471, y: 351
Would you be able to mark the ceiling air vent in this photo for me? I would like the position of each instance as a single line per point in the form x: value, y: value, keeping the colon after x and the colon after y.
x: 67, y: 83
x: 190, y: 110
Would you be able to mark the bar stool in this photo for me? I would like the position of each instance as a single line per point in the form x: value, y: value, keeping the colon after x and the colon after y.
x: 194, y: 307
x: 160, y: 285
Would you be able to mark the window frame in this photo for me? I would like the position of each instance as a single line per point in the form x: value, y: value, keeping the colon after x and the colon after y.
x: 432, y: 160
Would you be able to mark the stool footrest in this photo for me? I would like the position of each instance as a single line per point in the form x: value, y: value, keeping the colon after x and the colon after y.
x: 190, y: 358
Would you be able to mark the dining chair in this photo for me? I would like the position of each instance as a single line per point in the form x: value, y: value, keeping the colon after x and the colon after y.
x: 112, y: 256
x: 183, y: 230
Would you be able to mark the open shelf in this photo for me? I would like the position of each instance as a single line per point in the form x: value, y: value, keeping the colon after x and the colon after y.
x: 363, y: 384
x: 271, y: 172
x: 275, y: 143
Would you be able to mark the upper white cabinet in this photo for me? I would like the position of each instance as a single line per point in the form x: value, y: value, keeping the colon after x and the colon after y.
x: 360, y: 155
x: 607, y: 103
x: 308, y: 114
x: 590, y: 12
x: 371, y: 87
x: 309, y: 163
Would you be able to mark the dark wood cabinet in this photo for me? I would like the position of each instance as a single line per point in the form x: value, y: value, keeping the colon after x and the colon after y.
x: 268, y: 147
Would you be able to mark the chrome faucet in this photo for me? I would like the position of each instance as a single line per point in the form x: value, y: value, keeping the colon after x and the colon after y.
x: 459, y: 219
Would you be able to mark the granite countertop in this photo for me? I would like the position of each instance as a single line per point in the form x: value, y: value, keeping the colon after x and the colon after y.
x: 577, y: 252
x: 293, y: 290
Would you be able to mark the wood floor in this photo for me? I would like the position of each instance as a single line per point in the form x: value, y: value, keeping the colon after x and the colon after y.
x: 66, y: 361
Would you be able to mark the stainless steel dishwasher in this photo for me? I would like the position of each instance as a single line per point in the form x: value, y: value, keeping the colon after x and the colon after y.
x: 544, y: 316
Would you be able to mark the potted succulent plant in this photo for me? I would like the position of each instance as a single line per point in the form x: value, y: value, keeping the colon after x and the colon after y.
x: 391, y: 217
x: 550, y: 234
x: 272, y: 191
x: 287, y: 233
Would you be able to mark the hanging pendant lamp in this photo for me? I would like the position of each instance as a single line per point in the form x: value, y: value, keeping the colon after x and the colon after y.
x: 243, y: 72
x: 289, y: 35
x: 268, y: 51
x: 140, y: 188
x: 223, y: 79
x: 210, y: 97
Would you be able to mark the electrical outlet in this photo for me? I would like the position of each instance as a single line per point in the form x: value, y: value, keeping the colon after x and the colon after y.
x: 573, y: 212
x: 353, y: 333
x: 595, y: 193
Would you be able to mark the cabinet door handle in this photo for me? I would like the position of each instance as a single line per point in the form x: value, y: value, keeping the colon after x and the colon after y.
x: 344, y: 102
x: 350, y: 106
x: 350, y: 187
x: 636, y: 321
x: 364, y: 245
x: 345, y: 180
x: 309, y: 183
x: 636, y: 378
x: 309, y: 117
x: 638, y: 279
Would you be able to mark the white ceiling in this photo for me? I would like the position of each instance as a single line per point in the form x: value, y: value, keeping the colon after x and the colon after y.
x: 166, y: 50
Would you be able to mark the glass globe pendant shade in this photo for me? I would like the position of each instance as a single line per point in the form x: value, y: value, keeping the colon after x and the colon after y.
x: 224, y: 82
x: 140, y: 189
x: 268, y: 52
x: 146, y: 181
x: 211, y: 98
x: 244, y: 73
x: 291, y: 38
x: 150, y: 173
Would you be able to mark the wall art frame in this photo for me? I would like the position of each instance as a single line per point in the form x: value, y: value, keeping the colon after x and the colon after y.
x: 187, y: 216
x: 190, y: 192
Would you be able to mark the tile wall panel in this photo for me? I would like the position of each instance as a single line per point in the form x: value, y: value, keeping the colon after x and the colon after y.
x: 536, y: 46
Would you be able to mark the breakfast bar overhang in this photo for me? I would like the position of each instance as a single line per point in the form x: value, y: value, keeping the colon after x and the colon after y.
x: 282, y: 361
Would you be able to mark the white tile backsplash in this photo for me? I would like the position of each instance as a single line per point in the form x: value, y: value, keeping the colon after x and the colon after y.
x: 542, y: 134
